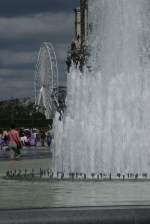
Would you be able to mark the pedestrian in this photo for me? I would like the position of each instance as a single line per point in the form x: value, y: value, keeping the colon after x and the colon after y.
x: 5, y: 137
x: 49, y: 137
x: 42, y: 136
x: 1, y: 140
x: 14, y: 143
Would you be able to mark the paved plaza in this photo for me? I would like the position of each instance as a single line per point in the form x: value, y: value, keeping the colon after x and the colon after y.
x: 78, y: 215
x: 28, y: 153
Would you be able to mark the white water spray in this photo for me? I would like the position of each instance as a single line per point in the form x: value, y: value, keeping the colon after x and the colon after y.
x: 106, y: 127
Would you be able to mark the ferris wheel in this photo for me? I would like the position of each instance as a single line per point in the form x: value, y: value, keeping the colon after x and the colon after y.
x: 46, y: 80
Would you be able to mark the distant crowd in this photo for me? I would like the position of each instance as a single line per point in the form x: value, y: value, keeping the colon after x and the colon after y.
x: 14, y: 139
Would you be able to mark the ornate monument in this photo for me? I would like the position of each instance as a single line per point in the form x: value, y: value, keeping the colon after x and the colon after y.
x: 77, y: 52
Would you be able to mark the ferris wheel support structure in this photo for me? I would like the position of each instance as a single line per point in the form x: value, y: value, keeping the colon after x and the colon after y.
x: 46, y: 80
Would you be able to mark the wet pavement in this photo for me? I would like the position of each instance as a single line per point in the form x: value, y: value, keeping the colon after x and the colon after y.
x: 28, y: 153
x: 78, y: 215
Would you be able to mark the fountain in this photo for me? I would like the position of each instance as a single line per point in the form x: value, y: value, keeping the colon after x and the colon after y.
x: 104, y: 133
x: 106, y: 128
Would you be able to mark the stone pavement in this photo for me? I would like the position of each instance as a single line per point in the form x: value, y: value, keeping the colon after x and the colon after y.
x: 78, y: 215
x: 28, y: 153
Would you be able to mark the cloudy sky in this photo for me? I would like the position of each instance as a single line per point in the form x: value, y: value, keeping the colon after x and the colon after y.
x: 24, y: 25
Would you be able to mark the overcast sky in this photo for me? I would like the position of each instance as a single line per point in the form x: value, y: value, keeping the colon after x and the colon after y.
x: 24, y: 25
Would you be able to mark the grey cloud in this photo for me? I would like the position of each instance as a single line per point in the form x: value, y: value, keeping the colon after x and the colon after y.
x: 21, y: 37
x: 33, y: 42
x: 9, y: 58
x: 10, y: 8
x: 16, y: 89
x: 16, y: 83
x: 41, y: 24
x: 61, y: 50
x: 10, y: 74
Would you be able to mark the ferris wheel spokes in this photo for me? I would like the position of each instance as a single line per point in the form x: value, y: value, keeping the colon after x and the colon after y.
x: 46, y: 79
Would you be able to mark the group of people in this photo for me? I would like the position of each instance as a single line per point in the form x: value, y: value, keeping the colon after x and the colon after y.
x: 14, y: 140
x: 28, y: 137
x: 46, y: 136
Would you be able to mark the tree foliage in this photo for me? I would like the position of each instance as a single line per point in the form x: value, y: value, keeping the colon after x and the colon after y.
x: 18, y: 109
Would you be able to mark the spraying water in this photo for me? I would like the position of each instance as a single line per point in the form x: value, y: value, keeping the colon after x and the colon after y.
x: 106, y: 127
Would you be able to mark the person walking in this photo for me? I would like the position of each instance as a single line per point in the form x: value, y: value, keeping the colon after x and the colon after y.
x: 14, y: 143
x: 1, y: 140
x: 42, y: 136
x: 49, y: 136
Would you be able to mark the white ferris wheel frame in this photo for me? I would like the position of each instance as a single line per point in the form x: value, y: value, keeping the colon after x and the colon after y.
x: 46, y: 95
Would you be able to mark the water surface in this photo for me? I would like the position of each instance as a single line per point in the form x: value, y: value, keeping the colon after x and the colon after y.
x: 25, y: 194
